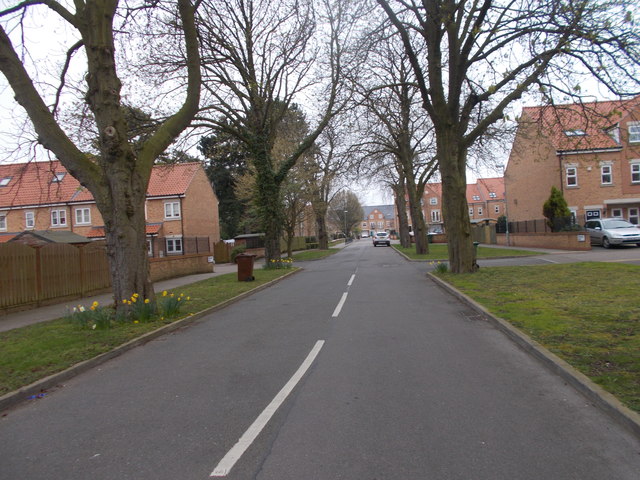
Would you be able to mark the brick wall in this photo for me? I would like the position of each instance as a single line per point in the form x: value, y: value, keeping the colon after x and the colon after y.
x: 557, y: 241
x: 170, y: 267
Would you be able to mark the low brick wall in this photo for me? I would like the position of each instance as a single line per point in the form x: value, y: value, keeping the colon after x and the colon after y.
x: 180, y: 265
x: 558, y: 240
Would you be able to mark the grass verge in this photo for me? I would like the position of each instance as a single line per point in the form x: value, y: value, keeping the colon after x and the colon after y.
x: 313, y: 254
x: 586, y: 313
x: 30, y: 353
x: 438, y: 251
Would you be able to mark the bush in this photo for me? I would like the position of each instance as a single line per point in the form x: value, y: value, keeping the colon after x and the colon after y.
x: 237, y: 251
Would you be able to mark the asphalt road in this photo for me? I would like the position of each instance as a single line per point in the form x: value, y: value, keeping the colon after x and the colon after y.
x: 407, y: 383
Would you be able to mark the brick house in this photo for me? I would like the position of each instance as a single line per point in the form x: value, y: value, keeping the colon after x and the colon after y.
x: 485, y: 198
x: 181, y: 207
x: 378, y: 218
x: 591, y: 152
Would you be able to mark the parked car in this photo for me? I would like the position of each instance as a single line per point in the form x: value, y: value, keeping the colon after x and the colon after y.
x: 365, y: 235
x: 612, y: 231
x: 381, y: 238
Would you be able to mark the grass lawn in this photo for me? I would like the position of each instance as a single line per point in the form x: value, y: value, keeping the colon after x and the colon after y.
x: 313, y: 254
x: 586, y: 313
x: 34, y: 352
x: 438, y: 251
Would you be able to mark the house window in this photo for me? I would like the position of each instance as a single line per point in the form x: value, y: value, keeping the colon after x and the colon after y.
x: 380, y: 215
x: 492, y: 194
x: 58, y: 218
x: 496, y: 208
x: 634, y: 132
x: 479, y: 211
x: 83, y: 216
x: 371, y: 217
x: 634, y: 216
x: 174, y: 246
x: 380, y: 225
x: 572, y: 177
x: 4, y: 181
x: 172, y: 210
x: 435, y: 216
x: 471, y: 211
x: 433, y: 201
x: 575, y: 133
x: 616, y: 212
x: 364, y: 224
x: 605, y: 175
x: 3, y: 221
x: 57, y: 177
x: 150, y: 247
x: 635, y: 172
x: 29, y: 220
x: 476, y: 198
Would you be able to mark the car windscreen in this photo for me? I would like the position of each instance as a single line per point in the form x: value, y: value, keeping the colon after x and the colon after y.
x: 617, y: 224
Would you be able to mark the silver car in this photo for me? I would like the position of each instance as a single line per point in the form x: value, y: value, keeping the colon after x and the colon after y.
x: 612, y: 231
x: 381, y: 238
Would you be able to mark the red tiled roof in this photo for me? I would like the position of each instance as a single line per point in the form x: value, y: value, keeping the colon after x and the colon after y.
x: 6, y: 237
x: 583, y: 126
x: 31, y: 183
x: 491, y: 185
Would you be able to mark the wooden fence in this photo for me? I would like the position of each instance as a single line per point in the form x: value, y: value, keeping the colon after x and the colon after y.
x: 34, y: 276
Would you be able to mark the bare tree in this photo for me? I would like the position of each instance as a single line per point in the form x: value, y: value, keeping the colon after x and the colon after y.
x: 325, y: 171
x: 117, y: 175
x: 345, y: 212
x: 473, y: 59
x: 396, y: 128
x: 258, y: 59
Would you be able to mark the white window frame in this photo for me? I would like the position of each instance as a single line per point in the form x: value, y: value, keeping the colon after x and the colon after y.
x: 364, y: 224
x: 496, y: 208
x: 479, y: 211
x: 606, y: 171
x: 3, y: 221
x: 433, y: 201
x: 635, y: 171
x: 571, y: 172
x: 435, y: 216
x: 634, y: 215
x: 83, y: 216
x: 4, y: 181
x: 634, y: 132
x: 58, y: 218
x: 150, y: 247
x: 174, y: 246
x: 471, y: 211
x: 380, y: 225
x: 29, y: 220
x: 172, y: 210
x: 616, y: 212
x: 58, y: 177
x: 493, y: 195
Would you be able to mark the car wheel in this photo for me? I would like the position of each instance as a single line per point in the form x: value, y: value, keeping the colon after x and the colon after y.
x: 605, y: 242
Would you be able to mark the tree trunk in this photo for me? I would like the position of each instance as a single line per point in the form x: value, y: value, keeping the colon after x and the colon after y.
x: 453, y: 161
x: 403, y: 221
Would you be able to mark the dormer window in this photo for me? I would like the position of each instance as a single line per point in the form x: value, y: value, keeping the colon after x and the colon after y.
x: 476, y: 198
x: 492, y: 194
x: 634, y: 132
x: 4, y: 181
x: 57, y: 177
x: 575, y: 133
